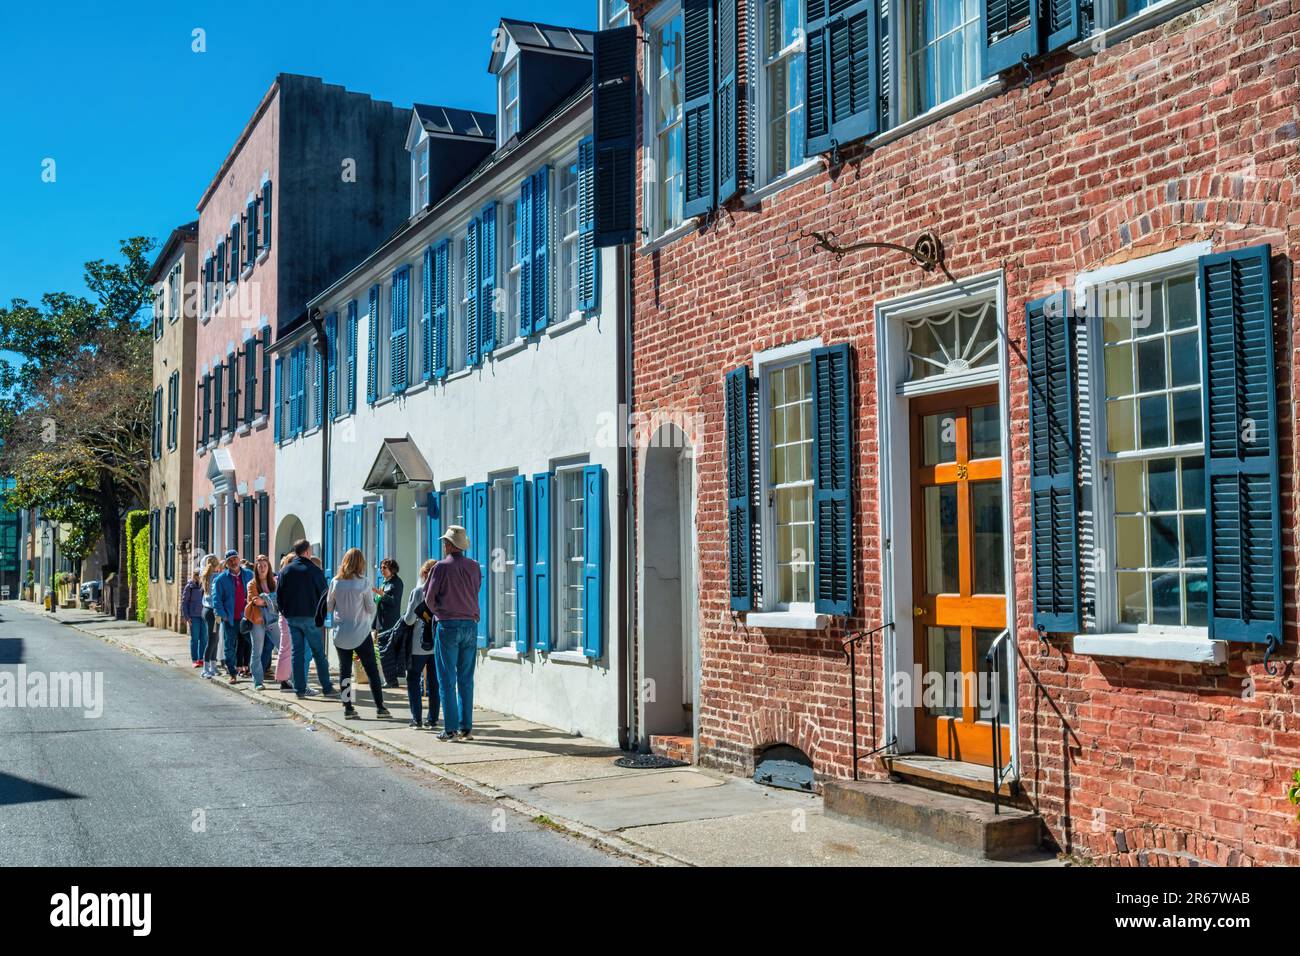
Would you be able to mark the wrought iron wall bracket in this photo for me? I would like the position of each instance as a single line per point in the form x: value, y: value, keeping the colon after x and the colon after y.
x: 927, y: 252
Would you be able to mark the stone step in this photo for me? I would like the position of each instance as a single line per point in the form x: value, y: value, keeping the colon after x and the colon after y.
x: 941, y: 819
x: 674, y: 747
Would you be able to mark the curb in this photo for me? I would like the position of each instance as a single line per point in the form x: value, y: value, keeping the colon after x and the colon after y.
x: 603, y: 838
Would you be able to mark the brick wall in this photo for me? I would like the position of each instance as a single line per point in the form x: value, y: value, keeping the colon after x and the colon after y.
x: 1186, y: 132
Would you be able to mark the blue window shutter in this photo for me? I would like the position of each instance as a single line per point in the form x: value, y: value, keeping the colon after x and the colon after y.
x: 332, y: 370
x: 541, y: 583
x: 523, y: 563
x: 832, y: 415
x: 699, y: 188
x: 359, y: 526
x: 477, y: 517
x: 593, y: 561
x: 317, y: 379
x: 279, y: 395
x: 250, y: 239
x: 487, y: 279
x: 843, y: 74
x: 426, y: 315
x: 299, y: 382
x: 1052, y: 461
x: 472, y: 297
x: 351, y: 403
x: 1062, y: 23
x: 433, y: 525
x: 541, y: 244
x: 327, y: 544
x: 441, y: 285
x: 726, y: 110
x: 381, y: 540
x: 235, y: 249
x: 1242, y: 495
x: 398, y: 322
x: 1009, y: 31
x: 524, y: 230
x: 739, y: 517
x: 588, y: 258
x: 372, y: 360
x: 292, y: 396
x: 266, y: 215
x: 614, y: 127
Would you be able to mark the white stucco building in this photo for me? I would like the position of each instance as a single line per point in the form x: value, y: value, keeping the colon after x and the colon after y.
x: 472, y: 376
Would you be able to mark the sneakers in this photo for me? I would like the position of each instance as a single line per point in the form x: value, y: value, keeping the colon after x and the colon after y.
x: 382, y: 712
x: 465, y: 735
x: 198, y: 663
x: 350, y: 713
x: 286, y: 685
x: 446, y: 735
x: 414, y: 724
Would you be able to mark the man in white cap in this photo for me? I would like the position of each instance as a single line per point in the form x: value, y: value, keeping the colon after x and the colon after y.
x: 451, y: 594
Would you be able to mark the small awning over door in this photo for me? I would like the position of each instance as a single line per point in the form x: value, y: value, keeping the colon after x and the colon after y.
x: 399, y: 462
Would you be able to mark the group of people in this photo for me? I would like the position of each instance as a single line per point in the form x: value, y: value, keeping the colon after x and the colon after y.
x: 251, y: 610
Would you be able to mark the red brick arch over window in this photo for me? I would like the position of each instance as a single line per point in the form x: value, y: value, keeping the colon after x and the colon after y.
x: 769, y: 726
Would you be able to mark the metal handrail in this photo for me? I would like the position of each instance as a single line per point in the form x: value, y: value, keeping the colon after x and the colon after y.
x: 849, y: 647
x: 1000, y: 773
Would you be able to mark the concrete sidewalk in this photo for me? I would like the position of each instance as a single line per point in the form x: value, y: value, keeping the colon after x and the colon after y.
x: 685, y: 816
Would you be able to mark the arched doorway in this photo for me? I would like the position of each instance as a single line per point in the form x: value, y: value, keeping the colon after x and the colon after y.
x: 669, y: 607
x: 290, y: 530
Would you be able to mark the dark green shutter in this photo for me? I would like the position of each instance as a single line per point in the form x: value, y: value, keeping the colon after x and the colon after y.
x: 1242, y: 497
x: 614, y: 127
x: 843, y: 72
x: 699, y: 186
x: 1053, y: 460
x: 588, y: 258
x: 1009, y: 31
x: 727, y: 121
x: 832, y: 415
x: 542, y: 584
x: 523, y: 563
x: 739, y: 516
x: 266, y: 215
x: 593, y: 561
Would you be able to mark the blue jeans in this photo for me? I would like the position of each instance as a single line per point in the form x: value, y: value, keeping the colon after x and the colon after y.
x: 306, y: 636
x: 198, y: 638
x: 263, y: 639
x: 455, y: 650
x: 426, y: 666
x: 230, y: 645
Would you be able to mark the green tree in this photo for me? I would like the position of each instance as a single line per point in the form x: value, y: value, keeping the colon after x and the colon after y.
x: 75, y: 416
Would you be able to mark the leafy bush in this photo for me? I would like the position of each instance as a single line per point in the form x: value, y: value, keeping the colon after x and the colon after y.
x: 140, y: 572
x: 135, y: 520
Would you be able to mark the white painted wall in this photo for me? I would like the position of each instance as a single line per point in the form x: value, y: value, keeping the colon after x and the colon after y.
x: 297, y: 485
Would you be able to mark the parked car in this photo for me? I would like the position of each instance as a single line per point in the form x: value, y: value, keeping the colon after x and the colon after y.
x: 92, y: 591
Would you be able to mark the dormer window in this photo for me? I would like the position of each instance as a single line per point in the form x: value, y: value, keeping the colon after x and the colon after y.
x: 510, y: 101
x: 420, y: 177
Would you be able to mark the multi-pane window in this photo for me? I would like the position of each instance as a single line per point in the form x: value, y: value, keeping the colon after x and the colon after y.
x: 459, y: 294
x: 784, y: 83
x: 568, y: 214
x: 787, y: 480
x: 421, y: 177
x: 616, y: 13
x: 1152, y: 455
x: 174, y: 293
x: 510, y: 102
x: 453, y: 508
x: 514, y: 265
x: 501, y: 562
x: 569, y: 576
x: 1111, y: 12
x: 941, y: 52
x: 667, y: 148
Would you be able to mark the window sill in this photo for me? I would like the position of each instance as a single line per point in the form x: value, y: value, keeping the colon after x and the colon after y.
x: 418, y: 387
x: 263, y: 255
x: 518, y: 345
x: 310, y: 431
x: 504, y: 654
x: 1117, y: 33
x: 572, y: 322
x: 805, y: 170
x: 1195, y: 650
x: 985, y: 90
x: 244, y: 429
x: 669, y: 237
x: 383, y: 400
x: 259, y: 422
x: 247, y: 273
x: 570, y: 657
x: 787, y: 620
x: 463, y: 373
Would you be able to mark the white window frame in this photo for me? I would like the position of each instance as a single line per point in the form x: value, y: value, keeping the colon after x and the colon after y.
x: 501, y: 499
x: 509, y: 318
x: 1176, y: 263
x: 509, y: 106
x: 458, y: 293
x: 459, y: 490
x: 773, y: 360
x: 658, y: 224
x: 766, y: 174
x: 420, y: 179
x: 562, y: 640
x: 901, y: 55
x: 567, y: 168
x: 615, y: 13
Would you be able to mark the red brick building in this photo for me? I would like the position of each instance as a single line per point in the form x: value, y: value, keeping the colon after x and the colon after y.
x: 855, y: 427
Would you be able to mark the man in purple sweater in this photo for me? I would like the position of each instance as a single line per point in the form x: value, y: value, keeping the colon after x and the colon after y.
x: 451, y: 594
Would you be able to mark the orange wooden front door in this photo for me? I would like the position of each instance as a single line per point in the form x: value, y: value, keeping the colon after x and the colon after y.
x: 958, y: 570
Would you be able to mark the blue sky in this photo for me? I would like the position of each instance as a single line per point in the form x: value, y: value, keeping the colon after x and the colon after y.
x: 137, y: 123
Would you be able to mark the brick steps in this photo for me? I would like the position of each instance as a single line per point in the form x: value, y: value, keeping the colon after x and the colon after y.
x: 674, y: 748
x: 957, y: 823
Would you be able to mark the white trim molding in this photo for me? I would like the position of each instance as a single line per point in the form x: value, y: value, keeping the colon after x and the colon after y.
x: 1195, y: 650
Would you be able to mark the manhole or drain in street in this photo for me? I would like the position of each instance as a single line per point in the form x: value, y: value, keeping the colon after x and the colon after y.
x: 648, y: 762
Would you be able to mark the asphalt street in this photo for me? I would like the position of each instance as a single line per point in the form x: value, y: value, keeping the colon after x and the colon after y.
x: 176, y: 771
